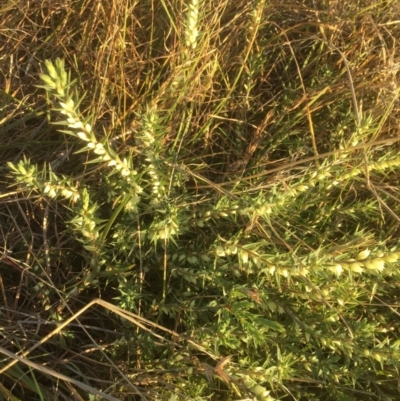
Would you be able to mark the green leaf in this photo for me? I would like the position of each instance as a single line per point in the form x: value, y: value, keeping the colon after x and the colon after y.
x: 270, y: 324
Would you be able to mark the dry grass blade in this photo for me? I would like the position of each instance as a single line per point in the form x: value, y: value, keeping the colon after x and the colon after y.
x: 133, y: 318
x: 57, y: 375
x: 219, y: 369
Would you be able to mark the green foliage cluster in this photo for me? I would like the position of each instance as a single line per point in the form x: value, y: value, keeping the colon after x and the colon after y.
x: 223, y: 176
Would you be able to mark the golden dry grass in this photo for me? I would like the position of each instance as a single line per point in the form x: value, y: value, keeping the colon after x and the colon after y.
x: 252, y: 97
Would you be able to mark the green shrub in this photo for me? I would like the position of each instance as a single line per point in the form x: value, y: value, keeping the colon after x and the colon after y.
x: 243, y: 216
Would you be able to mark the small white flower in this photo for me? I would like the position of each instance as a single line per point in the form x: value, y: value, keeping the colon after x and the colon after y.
x: 83, y: 136
x: 391, y: 257
x: 66, y: 193
x: 302, y: 188
x: 363, y: 254
x: 356, y: 267
x: 304, y: 271
x: 76, y: 197
x: 220, y: 251
x: 337, y: 269
x: 245, y: 256
x: 68, y: 105
x: 99, y: 150
x: 375, y: 264
x: 77, y: 124
x: 163, y: 233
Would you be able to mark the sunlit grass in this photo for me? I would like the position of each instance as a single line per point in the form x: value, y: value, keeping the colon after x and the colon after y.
x: 223, y: 176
